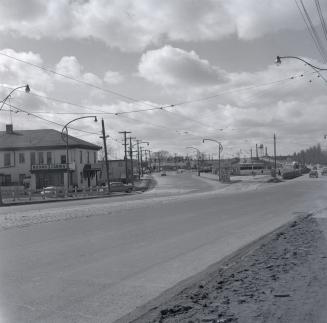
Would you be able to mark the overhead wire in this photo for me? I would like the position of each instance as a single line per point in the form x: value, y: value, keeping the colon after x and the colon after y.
x: 322, y: 19
x: 311, y: 30
x: 48, y: 70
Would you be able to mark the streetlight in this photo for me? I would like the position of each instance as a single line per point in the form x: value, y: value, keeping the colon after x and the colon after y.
x: 279, y: 61
x: 65, y: 128
x: 219, y: 151
x: 198, y: 157
x: 143, y: 142
x: 27, y: 90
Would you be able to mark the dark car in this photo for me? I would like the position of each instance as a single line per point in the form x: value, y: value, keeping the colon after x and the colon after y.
x: 119, y: 187
x: 324, y: 171
x: 313, y: 173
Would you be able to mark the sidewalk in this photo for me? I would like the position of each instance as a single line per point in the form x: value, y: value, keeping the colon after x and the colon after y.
x: 140, y: 186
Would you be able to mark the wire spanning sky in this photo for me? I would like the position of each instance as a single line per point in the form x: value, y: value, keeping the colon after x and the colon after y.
x: 171, y: 72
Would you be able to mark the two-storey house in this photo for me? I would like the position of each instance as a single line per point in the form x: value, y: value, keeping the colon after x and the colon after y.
x: 41, y: 156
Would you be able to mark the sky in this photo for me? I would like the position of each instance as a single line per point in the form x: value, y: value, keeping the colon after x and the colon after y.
x: 170, y: 72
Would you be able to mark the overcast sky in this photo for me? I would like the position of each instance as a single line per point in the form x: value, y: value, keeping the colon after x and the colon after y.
x: 212, y: 60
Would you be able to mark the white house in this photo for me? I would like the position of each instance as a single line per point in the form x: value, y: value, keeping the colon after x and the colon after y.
x: 40, y: 155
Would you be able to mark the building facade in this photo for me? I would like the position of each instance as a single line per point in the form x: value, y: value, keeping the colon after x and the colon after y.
x: 38, y: 158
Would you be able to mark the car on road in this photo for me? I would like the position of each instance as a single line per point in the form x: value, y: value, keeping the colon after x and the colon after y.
x: 313, y: 173
x: 324, y: 171
x: 163, y: 174
x: 53, y: 191
x: 119, y: 187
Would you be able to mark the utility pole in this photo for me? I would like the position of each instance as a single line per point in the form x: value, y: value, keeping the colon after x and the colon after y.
x: 138, y: 157
x: 131, y: 158
x: 125, y: 145
x: 141, y: 159
x: 104, y: 137
x: 149, y: 160
x: 256, y: 151
x: 275, y: 162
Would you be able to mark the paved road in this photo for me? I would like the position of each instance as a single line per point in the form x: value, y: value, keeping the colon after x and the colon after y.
x: 115, y: 255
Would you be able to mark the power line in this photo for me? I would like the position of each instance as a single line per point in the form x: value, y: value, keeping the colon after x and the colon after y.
x: 48, y: 70
x: 47, y: 120
x: 322, y: 19
x: 311, y: 30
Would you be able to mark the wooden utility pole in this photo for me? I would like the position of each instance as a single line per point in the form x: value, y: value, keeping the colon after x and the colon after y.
x: 104, y: 137
x: 138, y: 157
x: 125, y: 146
x: 275, y: 161
x: 141, y: 153
x: 131, y: 158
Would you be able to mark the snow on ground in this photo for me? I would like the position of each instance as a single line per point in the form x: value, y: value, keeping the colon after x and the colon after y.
x: 282, y: 280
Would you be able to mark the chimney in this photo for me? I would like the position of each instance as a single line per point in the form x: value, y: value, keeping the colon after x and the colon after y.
x: 9, y: 129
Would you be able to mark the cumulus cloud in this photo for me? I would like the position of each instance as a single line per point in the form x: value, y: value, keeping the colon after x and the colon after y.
x: 171, y: 66
x: 134, y: 25
x: 70, y: 66
x: 112, y: 77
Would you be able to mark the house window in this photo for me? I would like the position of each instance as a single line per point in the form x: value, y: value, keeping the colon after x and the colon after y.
x: 32, y: 157
x: 88, y: 157
x: 95, y: 156
x: 49, y: 157
x: 63, y: 159
x: 7, y: 180
x: 21, y: 158
x: 40, y: 157
x: 7, y: 161
x: 21, y: 179
x: 80, y: 157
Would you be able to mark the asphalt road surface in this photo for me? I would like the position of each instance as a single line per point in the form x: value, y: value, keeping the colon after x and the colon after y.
x: 119, y: 253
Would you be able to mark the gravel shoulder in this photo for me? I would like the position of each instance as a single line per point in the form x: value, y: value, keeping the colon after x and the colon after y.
x: 282, y: 278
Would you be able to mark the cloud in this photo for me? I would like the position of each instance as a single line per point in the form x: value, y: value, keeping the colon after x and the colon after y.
x: 174, y: 66
x: 135, y: 25
x: 112, y: 77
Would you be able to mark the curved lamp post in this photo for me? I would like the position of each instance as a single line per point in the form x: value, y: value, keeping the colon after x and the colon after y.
x: 316, y: 68
x: 27, y: 90
x: 141, y: 150
x: 198, y: 151
x: 65, y: 138
x: 219, y: 151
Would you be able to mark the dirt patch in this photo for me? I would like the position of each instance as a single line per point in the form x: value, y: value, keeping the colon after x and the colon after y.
x: 283, y: 280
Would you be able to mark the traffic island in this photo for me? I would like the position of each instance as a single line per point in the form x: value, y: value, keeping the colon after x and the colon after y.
x: 280, y: 278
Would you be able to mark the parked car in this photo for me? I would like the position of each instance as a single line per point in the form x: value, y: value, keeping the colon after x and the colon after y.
x: 163, y: 174
x: 53, y: 191
x: 119, y: 187
x: 313, y: 173
x: 324, y: 171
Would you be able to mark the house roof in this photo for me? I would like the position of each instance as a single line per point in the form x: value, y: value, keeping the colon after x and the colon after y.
x: 40, y: 139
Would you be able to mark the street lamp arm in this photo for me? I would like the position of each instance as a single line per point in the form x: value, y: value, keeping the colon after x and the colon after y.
x: 66, y: 125
x: 27, y: 90
x: 216, y: 141
x: 194, y: 148
x: 279, y: 61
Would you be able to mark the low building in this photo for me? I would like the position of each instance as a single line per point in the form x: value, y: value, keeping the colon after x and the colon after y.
x: 117, y: 170
x: 38, y: 157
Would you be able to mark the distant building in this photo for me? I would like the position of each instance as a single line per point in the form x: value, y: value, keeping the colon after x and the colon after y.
x: 38, y: 158
x: 117, y: 170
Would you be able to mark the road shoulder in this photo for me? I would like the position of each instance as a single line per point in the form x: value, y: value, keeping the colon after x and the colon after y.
x: 281, y: 277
